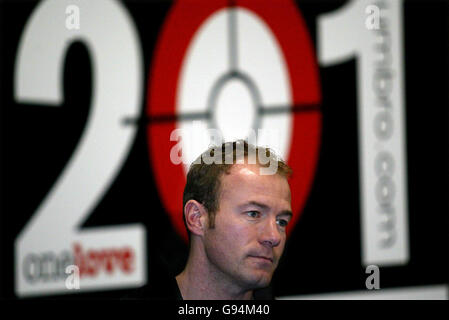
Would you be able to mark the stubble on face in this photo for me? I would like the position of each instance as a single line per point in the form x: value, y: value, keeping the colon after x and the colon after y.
x: 234, y: 247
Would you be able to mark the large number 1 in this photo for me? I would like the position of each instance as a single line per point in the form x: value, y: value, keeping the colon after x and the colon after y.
x: 111, y: 40
x: 343, y: 35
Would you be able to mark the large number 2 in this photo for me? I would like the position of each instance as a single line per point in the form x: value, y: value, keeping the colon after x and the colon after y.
x: 345, y: 34
x: 113, y: 45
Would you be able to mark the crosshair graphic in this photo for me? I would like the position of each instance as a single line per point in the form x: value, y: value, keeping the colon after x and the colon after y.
x: 233, y: 66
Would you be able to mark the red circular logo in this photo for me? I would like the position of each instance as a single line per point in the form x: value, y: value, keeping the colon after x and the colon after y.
x: 277, y: 37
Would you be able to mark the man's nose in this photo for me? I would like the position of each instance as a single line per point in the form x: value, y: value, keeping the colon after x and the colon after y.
x: 270, y: 235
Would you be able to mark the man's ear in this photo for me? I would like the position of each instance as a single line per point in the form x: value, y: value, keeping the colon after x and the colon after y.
x: 196, y: 217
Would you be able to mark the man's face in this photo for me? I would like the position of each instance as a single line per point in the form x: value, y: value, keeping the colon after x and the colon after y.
x: 249, y: 235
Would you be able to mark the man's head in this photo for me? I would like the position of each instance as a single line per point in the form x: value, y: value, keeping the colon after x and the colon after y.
x: 237, y: 216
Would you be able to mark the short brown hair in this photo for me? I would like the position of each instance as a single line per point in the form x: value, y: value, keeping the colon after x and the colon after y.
x: 203, y: 179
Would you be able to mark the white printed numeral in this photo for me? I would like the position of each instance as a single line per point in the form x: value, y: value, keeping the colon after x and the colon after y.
x: 113, y: 45
x: 343, y: 35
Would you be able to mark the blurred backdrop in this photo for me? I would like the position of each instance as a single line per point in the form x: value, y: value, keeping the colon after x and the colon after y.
x: 353, y: 94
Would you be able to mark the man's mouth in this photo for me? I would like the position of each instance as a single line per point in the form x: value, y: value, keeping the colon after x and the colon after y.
x: 263, y: 258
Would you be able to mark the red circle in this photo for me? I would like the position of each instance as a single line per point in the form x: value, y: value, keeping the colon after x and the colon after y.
x: 182, y: 22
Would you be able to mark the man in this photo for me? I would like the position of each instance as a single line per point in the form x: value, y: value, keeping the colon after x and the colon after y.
x: 236, y: 212
x: 236, y: 218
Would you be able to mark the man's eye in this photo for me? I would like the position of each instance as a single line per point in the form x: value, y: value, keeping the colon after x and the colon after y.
x: 253, y: 214
x: 282, y: 222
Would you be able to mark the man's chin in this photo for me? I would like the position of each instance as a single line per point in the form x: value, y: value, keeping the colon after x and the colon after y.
x: 259, y: 279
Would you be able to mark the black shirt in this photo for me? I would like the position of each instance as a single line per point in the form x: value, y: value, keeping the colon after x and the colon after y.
x: 165, y: 287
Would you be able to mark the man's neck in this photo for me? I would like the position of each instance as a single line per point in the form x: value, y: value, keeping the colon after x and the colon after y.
x: 199, y: 282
